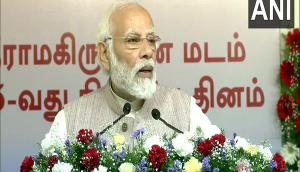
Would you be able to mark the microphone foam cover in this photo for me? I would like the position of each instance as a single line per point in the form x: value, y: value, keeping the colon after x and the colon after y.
x: 126, y: 108
x: 155, y: 114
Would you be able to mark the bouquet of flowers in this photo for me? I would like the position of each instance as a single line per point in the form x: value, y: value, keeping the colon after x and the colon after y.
x: 288, y: 106
x: 171, y: 153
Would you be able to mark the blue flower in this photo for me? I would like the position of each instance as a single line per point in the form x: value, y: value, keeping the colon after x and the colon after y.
x: 57, y: 151
x: 272, y: 165
x: 234, y: 135
x: 169, y: 147
x: 69, y: 150
x: 67, y: 142
x: 224, y: 153
x: 123, y: 154
x: 232, y: 142
x: 116, y: 156
x: 39, y: 154
x: 104, y: 142
x: 177, y: 166
x: 138, y: 132
x: 97, y: 134
x: 177, y: 163
x: 200, y: 139
x: 216, y: 170
x: 143, y: 163
x: 141, y: 167
x: 144, y: 169
x: 142, y: 130
x: 34, y: 156
x: 205, y: 164
x: 171, y: 169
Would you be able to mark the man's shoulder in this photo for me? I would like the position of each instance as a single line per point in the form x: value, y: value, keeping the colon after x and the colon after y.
x: 85, y: 98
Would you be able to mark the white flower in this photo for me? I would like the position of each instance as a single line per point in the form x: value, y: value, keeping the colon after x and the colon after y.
x: 100, y: 169
x: 127, y: 167
x: 182, y: 145
x: 265, y: 151
x: 51, y: 142
x: 153, y: 140
x: 241, y: 142
x: 290, y: 152
x: 47, y: 145
x: 62, y: 167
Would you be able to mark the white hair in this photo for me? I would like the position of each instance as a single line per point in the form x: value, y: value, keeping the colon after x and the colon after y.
x: 105, y: 28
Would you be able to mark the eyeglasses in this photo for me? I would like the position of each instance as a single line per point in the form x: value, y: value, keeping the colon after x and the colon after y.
x: 135, y: 41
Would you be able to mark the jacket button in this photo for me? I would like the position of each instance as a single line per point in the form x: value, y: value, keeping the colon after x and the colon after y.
x: 124, y: 127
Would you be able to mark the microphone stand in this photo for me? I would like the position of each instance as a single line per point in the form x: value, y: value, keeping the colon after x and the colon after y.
x: 126, y: 110
x: 156, y: 115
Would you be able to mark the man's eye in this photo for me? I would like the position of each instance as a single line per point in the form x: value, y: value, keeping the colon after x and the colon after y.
x: 132, y: 40
x: 151, y: 41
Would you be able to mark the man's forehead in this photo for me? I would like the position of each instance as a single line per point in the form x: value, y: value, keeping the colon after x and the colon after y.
x: 137, y: 32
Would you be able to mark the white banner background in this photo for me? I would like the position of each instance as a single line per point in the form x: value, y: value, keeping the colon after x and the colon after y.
x: 177, y: 22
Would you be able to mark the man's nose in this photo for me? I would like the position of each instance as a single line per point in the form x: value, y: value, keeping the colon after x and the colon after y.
x: 146, y: 50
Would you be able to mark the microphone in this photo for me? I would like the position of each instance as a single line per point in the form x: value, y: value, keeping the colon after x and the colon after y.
x: 126, y: 110
x: 156, y: 115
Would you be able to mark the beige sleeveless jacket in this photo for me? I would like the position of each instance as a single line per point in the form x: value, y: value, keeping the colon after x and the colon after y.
x: 98, y: 109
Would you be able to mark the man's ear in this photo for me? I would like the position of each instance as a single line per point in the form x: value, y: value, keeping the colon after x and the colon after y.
x: 103, y: 55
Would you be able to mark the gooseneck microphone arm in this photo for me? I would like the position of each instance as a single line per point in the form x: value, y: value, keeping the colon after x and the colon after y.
x: 126, y: 110
x: 156, y: 115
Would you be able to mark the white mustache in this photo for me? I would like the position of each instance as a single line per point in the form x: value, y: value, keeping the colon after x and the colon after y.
x: 148, y: 63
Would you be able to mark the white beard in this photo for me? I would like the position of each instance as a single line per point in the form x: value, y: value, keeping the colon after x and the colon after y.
x: 127, y: 79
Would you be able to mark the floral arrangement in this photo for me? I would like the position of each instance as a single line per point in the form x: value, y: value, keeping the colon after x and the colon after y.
x: 288, y: 106
x: 171, y: 153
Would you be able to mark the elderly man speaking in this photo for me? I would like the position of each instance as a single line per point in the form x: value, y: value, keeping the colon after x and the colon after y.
x: 127, y: 45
